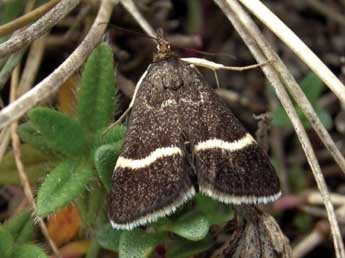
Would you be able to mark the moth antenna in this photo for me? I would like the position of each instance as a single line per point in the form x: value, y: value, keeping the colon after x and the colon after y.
x: 174, y: 46
x: 139, y: 34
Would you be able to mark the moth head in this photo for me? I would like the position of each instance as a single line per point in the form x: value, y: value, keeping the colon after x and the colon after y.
x: 163, y: 46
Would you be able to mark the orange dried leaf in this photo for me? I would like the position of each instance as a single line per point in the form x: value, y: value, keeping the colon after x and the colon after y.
x: 64, y: 225
x: 75, y: 249
x: 67, y: 96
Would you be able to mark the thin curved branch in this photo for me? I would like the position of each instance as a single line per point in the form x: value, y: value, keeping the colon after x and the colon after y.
x: 36, y: 30
x: 296, y: 45
x: 261, y: 51
x: 51, y: 83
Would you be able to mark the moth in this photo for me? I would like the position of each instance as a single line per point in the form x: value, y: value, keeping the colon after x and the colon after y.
x: 179, y: 129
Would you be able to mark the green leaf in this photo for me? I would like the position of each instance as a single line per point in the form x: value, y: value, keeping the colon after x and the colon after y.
x: 114, y: 135
x: 95, y: 205
x: 93, y: 250
x: 182, y: 248
x: 82, y: 204
x: 303, y: 222
x: 270, y: 89
x: 66, y: 182
x: 21, y: 227
x: 62, y: 133
x: 108, y: 237
x: 97, y: 90
x: 105, y: 159
x: 29, y: 134
x: 312, y: 87
x: 35, y: 162
x: 11, y: 63
x: 324, y: 116
x: 6, y: 242
x: 215, y: 212
x: 29, y: 251
x: 280, y: 118
x: 9, y: 10
x: 138, y: 244
x: 194, y: 21
x: 297, y: 179
x: 192, y: 225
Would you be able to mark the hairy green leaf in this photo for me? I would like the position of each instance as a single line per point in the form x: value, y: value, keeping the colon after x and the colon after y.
x: 6, y: 242
x: 62, y: 133
x: 93, y: 250
x: 66, y: 182
x: 105, y: 159
x: 114, y: 135
x: 108, y: 238
x: 138, y: 244
x: 192, y: 225
x: 21, y: 227
x: 96, y: 94
x: 29, y: 251
x: 215, y: 212
x: 36, y: 165
x: 95, y: 204
x: 183, y: 248
x: 29, y: 134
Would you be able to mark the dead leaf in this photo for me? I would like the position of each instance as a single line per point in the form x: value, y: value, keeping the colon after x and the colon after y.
x: 64, y: 225
x: 67, y: 100
x: 75, y: 249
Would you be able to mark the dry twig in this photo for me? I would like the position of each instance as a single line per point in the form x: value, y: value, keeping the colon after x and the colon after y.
x: 40, y: 27
x: 215, y: 66
x: 27, y: 18
x: 51, y: 83
x: 262, y: 51
x: 132, y: 9
x: 4, y: 141
x: 32, y: 65
x: 315, y: 198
